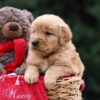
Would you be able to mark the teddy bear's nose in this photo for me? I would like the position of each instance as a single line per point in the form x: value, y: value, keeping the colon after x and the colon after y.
x: 13, y: 27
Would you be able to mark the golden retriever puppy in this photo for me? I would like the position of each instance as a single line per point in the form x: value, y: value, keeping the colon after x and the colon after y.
x: 51, y: 51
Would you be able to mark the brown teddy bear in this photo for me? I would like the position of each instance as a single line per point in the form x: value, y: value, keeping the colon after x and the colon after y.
x: 14, y: 34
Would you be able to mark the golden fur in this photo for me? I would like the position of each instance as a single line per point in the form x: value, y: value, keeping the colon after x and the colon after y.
x: 55, y: 55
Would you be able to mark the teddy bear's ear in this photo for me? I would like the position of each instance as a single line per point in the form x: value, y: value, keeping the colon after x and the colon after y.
x: 28, y: 15
x: 65, y: 34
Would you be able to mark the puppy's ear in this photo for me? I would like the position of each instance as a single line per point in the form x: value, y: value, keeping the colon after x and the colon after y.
x: 65, y: 34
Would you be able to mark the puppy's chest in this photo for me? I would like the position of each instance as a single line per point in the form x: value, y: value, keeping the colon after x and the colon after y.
x: 46, y: 63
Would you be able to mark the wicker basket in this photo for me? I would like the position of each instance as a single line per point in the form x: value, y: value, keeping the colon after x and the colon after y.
x: 67, y: 88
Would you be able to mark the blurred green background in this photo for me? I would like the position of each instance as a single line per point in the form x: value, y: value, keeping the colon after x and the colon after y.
x: 83, y: 16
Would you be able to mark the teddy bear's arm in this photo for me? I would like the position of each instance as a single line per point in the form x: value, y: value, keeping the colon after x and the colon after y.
x: 20, y: 70
x: 2, y: 71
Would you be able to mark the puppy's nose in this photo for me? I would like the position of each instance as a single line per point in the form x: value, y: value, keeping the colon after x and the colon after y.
x: 35, y: 43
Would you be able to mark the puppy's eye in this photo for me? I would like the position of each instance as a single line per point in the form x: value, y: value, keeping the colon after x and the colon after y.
x: 48, y: 33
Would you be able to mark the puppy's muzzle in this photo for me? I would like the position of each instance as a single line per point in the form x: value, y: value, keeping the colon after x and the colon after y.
x: 35, y: 43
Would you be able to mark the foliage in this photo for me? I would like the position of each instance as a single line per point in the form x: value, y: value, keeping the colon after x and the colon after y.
x: 83, y: 16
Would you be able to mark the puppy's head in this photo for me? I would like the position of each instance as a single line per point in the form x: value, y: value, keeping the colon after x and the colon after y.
x: 48, y: 34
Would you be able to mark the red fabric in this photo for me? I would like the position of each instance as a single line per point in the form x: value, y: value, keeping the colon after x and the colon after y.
x: 19, y: 46
x: 9, y: 90
x: 4, y: 47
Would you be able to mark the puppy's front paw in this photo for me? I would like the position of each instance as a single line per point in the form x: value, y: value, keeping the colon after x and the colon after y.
x: 49, y: 82
x: 30, y: 78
